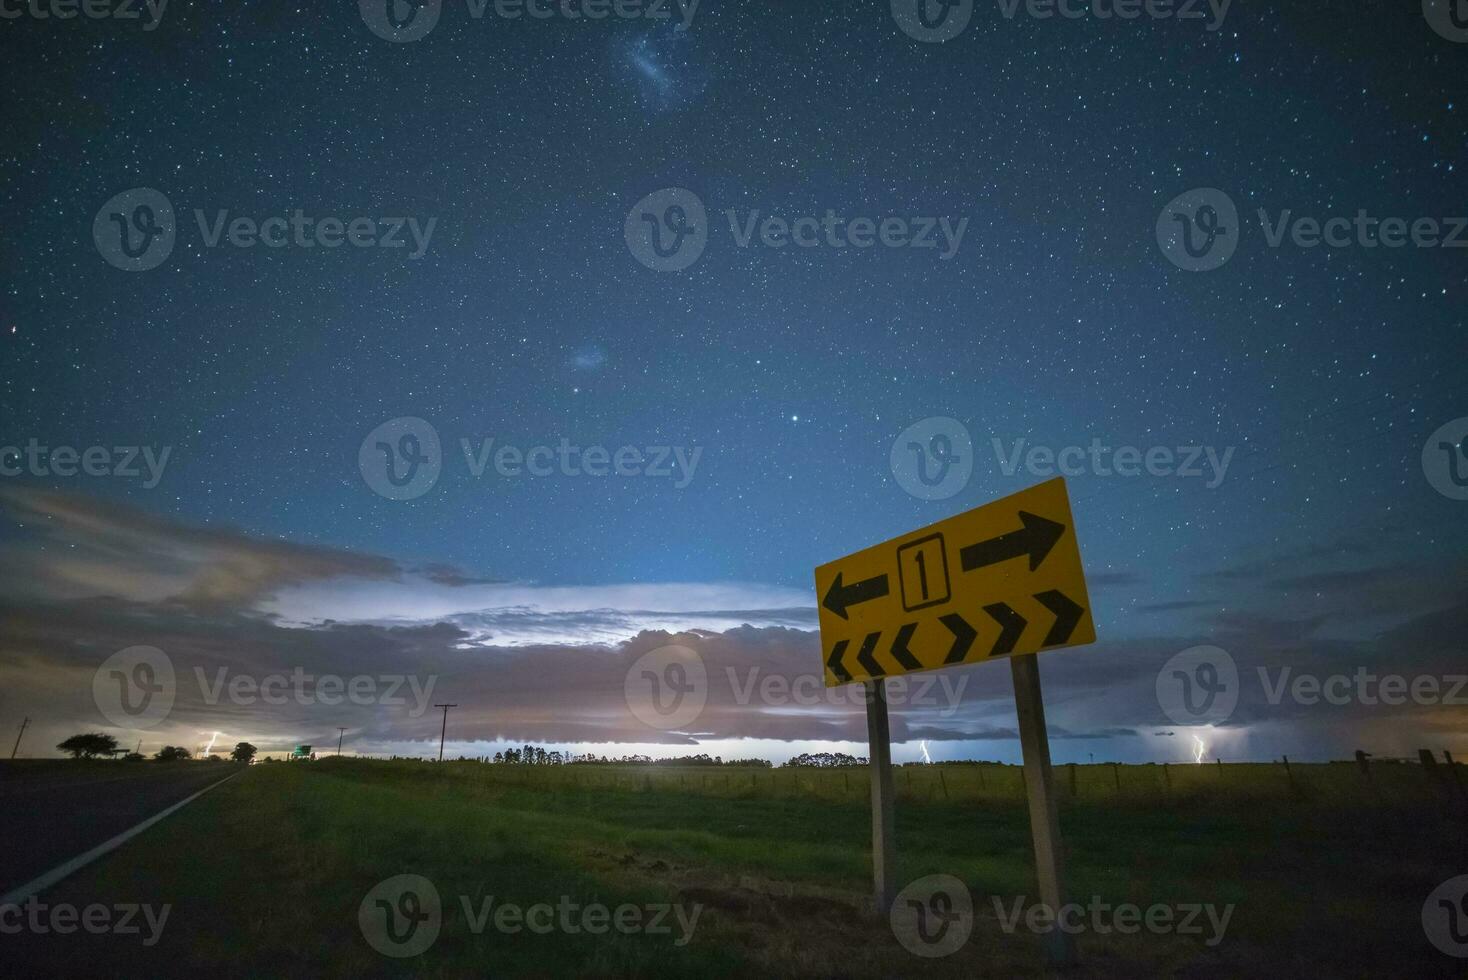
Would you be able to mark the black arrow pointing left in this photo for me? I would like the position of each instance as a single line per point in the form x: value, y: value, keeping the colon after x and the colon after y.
x: 839, y: 597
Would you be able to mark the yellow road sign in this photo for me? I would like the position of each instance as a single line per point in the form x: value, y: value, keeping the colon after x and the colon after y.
x: 1000, y: 580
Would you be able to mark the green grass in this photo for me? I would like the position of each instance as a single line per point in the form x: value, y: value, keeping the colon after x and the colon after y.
x: 266, y: 872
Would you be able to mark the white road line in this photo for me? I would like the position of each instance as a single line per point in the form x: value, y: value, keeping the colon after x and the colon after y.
x: 37, y: 885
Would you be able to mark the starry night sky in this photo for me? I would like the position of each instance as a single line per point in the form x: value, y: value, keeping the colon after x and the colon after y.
x: 1057, y: 321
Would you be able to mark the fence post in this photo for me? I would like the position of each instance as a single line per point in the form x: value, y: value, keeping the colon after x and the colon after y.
x: 1289, y: 775
x: 1074, y: 792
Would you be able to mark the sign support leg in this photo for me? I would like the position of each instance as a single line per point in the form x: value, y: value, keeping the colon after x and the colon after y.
x: 884, y: 844
x: 1044, y: 822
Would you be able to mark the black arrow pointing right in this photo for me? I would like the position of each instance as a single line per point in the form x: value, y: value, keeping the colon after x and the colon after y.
x: 1034, y: 539
x: 1067, y: 615
x: 1011, y: 623
x: 963, y: 637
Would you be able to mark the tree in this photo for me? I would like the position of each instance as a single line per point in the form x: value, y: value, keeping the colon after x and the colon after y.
x: 134, y: 757
x: 243, y: 752
x: 89, y: 745
x: 172, y: 753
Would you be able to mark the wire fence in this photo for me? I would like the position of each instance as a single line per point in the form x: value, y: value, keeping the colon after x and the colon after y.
x: 1383, y: 783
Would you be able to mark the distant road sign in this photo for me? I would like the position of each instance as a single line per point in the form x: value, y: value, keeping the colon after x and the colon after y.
x: 1000, y: 580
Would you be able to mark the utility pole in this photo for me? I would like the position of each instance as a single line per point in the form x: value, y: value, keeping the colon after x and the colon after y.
x: 23, y: 723
x: 339, y: 733
x: 445, y: 729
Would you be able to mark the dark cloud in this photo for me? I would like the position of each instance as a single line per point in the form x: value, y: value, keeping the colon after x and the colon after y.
x: 113, y: 549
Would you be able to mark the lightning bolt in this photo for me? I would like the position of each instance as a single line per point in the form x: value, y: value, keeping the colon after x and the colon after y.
x: 926, y: 758
x: 1202, y: 748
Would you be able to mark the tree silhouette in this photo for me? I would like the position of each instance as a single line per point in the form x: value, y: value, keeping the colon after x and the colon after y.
x: 88, y: 745
x: 243, y: 752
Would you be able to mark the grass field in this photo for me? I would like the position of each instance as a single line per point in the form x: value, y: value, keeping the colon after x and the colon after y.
x: 265, y: 874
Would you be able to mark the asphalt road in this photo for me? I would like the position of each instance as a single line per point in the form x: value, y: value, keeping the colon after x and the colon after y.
x: 52, y: 811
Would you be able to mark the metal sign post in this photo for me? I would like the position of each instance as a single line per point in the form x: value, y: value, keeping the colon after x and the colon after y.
x: 884, y: 840
x: 1040, y: 791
